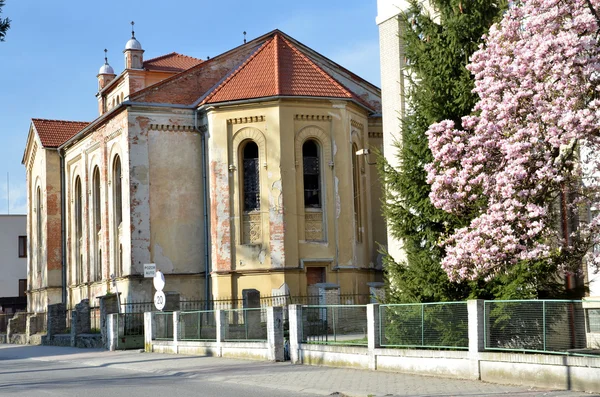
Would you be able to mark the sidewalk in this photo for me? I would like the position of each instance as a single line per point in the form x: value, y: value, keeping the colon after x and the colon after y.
x: 279, y: 376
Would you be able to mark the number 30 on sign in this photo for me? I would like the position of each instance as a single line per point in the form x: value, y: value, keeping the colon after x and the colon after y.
x: 159, y: 300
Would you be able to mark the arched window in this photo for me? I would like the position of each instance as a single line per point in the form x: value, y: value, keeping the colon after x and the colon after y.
x: 117, y: 215
x: 78, y: 208
x: 38, y: 228
x: 312, y: 174
x: 250, y: 193
x: 251, y: 188
x: 117, y: 192
x: 356, y: 192
x: 97, y: 222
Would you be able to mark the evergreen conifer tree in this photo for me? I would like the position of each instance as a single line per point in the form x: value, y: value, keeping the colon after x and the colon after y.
x: 439, y: 41
x: 4, y: 23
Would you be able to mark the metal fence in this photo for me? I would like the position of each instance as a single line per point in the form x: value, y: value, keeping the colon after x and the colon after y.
x: 133, y: 323
x: 424, y: 325
x: 163, y: 326
x: 198, y: 325
x: 548, y: 326
x: 129, y: 306
x: 335, y: 324
x: 95, y: 322
x: 246, y: 325
x: 4, y: 322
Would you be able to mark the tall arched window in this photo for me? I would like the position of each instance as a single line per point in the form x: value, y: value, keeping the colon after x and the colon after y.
x: 78, y: 211
x: 356, y: 191
x: 117, y: 214
x: 250, y: 177
x: 97, y: 222
x: 38, y: 229
x: 312, y: 174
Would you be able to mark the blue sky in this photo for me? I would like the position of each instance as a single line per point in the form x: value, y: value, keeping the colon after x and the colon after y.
x: 52, y: 53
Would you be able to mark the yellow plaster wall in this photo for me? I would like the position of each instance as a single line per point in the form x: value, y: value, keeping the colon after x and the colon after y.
x: 275, y: 126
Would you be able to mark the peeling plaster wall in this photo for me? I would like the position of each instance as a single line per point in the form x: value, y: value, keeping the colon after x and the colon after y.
x: 167, y: 198
x: 98, y: 148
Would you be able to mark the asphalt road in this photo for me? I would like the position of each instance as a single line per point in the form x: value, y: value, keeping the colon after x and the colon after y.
x: 56, y: 371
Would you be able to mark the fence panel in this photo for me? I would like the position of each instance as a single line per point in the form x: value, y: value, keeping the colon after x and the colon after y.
x: 163, y: 329
x: 137, y: 306
x: 198, y: 325
x: 246, y: 325
x: 335, y: 324
x: 4, y: 322
x: 549, y: 326
x: 424, y: 325
x: 95, y: 320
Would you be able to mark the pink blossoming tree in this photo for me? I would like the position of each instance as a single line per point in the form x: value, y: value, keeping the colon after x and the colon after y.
x: 526, y: 165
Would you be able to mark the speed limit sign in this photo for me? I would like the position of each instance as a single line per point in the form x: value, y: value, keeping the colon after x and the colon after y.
x: 159, y: 300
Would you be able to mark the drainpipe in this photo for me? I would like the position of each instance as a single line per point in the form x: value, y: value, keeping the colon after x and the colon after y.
x: 335, y: 204
x: 63, y: 221
x: 204, y: 159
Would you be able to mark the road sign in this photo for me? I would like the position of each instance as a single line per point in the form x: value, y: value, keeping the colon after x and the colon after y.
x: 159, y: 300
x: 149, y: 269
x: 159, y: 281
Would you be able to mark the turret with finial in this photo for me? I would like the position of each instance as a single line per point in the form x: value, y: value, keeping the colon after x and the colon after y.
x: 106, y: 73
x: 133, y: 52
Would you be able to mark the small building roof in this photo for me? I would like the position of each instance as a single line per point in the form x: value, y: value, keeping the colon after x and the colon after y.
x: 278, y: 68
x: 54, y: 133
x: 172, y: 62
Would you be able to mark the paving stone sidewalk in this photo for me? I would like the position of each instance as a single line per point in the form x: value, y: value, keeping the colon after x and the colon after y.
x: 280, y: 376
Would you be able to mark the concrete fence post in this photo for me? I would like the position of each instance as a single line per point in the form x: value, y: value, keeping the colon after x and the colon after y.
x: 222, y: 320
x: 275, y: 333
x: 29, y: 328
x: 112, y: 331
x: 149, y: 327
x: 74, y: 321
x: 176, y: 332
x: 475, y: 309
x: 295, y: 316
x: 373, y: 340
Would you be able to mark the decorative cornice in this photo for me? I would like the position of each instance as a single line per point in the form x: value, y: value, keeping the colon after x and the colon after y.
x: 114, y: 134
x: 32, y: 158
x: 92, y: 148
x: 356, y: 124
x: 375, y: 134
x: 244, y: 120
x: 171, y: 127
x: 312, y: 117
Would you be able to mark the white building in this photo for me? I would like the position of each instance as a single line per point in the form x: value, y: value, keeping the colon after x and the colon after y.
x: 13, y: 255
x: 392, y: 60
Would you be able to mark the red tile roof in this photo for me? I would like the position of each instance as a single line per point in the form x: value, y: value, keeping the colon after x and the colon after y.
x: 172, y: 62
x: 278, y: 68
x: 54, y: 133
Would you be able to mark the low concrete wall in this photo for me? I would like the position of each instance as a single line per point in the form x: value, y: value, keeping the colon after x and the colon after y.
x: 244, y: 350
x: 335, y: 356
x: 541, y: 370
x: 452, y: 364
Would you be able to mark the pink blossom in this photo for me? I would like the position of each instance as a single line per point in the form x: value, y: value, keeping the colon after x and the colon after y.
x: 534, y: 133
